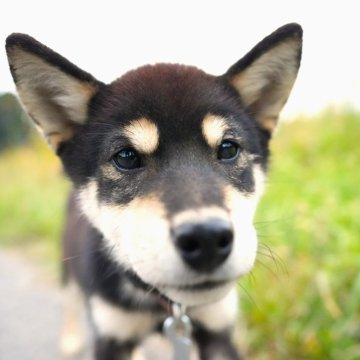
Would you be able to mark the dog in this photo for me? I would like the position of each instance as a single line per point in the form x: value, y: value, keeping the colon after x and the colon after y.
x: 167, y: 164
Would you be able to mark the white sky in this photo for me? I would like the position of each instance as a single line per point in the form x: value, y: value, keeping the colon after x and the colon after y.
x: 107, y: 38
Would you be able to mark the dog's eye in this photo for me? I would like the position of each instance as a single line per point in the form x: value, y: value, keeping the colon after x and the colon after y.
x: 127, y: 159
x: 228, y: 150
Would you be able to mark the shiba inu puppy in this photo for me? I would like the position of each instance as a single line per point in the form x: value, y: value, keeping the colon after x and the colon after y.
x: 167, y: 164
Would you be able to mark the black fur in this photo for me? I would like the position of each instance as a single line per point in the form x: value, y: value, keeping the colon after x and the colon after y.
x: 29, y: 44
x: 109, y: 349
x: 169, y: 101
x: 215, y: 345
x: 289, y: 31
x: 176, y: 98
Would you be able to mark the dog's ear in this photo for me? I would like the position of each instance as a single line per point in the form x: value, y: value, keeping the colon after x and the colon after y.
x: 264, y: 77
x: 55, y: 93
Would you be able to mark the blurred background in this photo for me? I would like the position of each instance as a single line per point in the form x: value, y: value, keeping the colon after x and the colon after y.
x: 302, y: 301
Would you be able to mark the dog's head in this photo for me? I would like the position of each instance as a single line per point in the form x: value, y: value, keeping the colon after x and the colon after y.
x: 169, y: 162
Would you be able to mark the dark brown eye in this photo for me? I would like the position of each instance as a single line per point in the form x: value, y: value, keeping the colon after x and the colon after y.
x: 127, y: 159
x: 228, y: 150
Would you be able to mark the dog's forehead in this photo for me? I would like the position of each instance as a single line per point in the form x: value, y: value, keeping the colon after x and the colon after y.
x: 169, y: 95
x: 173, y: 81
x: 167, y: 103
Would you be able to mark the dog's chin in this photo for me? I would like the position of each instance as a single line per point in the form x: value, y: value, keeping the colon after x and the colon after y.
x: 200, y: 294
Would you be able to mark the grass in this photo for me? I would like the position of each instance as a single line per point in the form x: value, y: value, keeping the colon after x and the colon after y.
x: 302, y: 301
x: 32, y: 193
x: 305, y: 289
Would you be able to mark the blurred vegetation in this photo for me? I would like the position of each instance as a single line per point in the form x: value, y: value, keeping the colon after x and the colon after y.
x: 303, y: 298
x: 14, y: 129
x: 302, y: 301
x: 32, y: 188
x: 32, y: 201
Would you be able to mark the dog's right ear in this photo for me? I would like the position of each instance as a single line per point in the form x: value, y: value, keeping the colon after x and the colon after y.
x: 55, y: 92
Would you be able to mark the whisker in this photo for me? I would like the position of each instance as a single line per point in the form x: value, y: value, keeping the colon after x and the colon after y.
x: 264, y: 223
x: 268, y: 268
x: 247, y: 293
x: 252, y: 278
x: 85, y: 253
x: 271, y: 254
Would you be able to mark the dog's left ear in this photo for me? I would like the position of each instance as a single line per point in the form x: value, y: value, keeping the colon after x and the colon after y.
x: 264, y: 77
x: 55, y: 93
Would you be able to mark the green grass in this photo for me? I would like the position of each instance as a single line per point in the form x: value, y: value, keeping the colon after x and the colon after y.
x: 305, y: 289
x: 302, y: 301
x: 32, y: 200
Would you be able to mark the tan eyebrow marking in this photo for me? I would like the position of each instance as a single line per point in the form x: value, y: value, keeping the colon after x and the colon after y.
x: 213, y: 129
x: 143, y: 135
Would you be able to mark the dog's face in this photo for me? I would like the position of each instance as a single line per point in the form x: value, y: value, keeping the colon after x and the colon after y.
x: 169, y: 162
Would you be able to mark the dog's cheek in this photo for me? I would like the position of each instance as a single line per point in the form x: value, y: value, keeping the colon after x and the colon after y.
x: 104, y: 218
x: 137, y: 235
x: 242, y: 209
x: 145, y: 241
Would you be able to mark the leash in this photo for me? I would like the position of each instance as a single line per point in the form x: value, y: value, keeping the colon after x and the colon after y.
x: 177, y: 327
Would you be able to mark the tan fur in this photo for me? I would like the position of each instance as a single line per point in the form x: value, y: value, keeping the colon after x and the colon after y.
x: 52, y: 98
x: 114, y: 322
x: 217, y: 316
x: 276, y: 69
x: 143, y: 134
x: 110, y: 172
x: 199, y: 215
x: 213, y: 129
x: 242, y: 209
x: 133, y: 245
x: 57, y: 137
x: 72, y: 338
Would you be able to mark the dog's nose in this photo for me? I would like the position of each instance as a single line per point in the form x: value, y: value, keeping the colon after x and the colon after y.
x: 204, y: 246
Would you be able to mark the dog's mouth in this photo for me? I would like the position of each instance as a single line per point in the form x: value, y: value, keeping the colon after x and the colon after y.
x: 197, y: 294
x: 200, y: 286
x: 203, y: 286
x: 203, y: 292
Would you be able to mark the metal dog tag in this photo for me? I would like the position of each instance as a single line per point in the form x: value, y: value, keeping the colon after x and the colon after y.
x: 178, y: 330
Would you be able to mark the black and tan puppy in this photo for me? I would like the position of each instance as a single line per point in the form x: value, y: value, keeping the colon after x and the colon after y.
x: 168, y: 164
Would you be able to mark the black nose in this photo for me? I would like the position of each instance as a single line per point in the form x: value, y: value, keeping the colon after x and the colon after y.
x: 204, y: 246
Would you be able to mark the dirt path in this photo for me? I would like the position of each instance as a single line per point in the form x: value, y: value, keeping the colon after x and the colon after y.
x: 30, y: 311
x: 30, y: 314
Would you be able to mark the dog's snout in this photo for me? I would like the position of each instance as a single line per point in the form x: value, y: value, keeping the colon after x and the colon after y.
x: 204, y: 246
